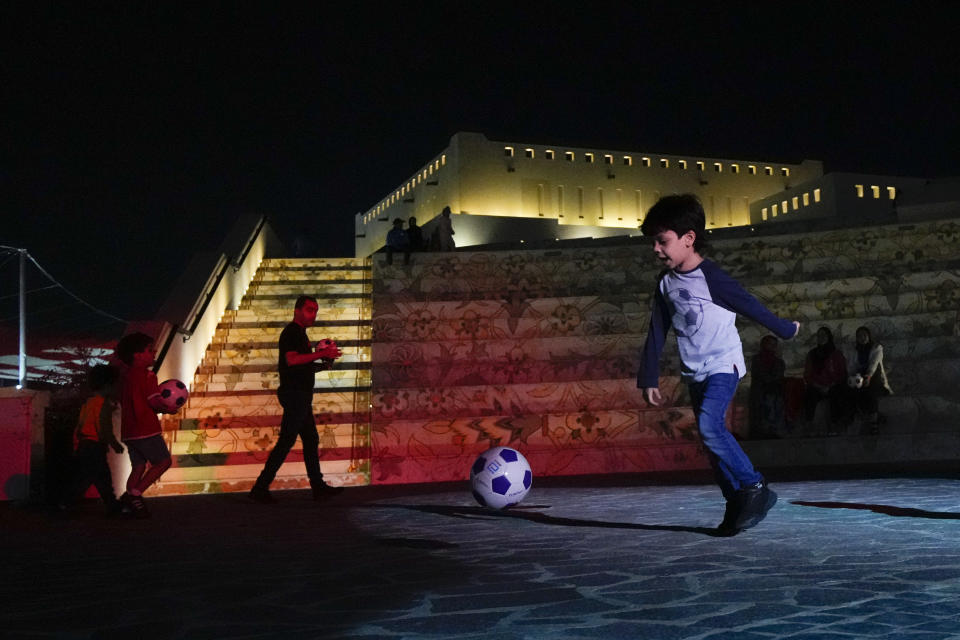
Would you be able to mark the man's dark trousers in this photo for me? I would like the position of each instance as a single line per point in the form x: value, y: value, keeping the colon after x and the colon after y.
x: 297, y: 421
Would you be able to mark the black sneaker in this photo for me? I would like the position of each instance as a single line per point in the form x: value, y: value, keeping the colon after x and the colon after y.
x: 726, y: 527
x: 322, y: 491
x: 261, y: 495
x: 755, y: 500
x: 135, y: 506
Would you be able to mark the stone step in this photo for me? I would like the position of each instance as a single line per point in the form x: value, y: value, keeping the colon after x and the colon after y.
x: 319, y: 278
x: 238, y: 357
x: 547, y: 434
x: 859, y: 285
x: 250, y: 321
x: 250, y: 350
x: 319, y: 264
x: 346, y: 336
x: 937, y: 286
x: 311, y: 288
x: 252, y: 381
x: 324, y: 387
x: 548, y: 317
x: 935, y: 235
x: 179, y: 480
x: 245, y: 362
x: 330, y: 315
x: 477, y: 345
x: 215, y: 422
x: 617, y: 287
x: 566, y: 359
x: 873, y: 307
x: 325, y: 301
x: 220, y: 439
x: 264, y: 402
x: 526, y: 395
x: 750, y: 273
x: 437, y: 403
x: 896, y: 346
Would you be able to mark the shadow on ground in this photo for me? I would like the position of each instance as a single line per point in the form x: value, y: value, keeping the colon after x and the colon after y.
x: 526, y: 513
x: 887, y: 510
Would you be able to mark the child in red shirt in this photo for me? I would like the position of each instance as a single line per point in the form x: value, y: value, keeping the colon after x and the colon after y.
x: 140, y: 429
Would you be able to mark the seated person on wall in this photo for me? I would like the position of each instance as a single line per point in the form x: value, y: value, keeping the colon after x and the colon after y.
x: 766, y: 391
x: 868, y: 380
x: 397, y: 240
x: 415, y: 235
x: 825, y: 375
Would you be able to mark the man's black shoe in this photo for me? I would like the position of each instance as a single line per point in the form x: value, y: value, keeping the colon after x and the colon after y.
x: 755, y: 501
x: 263, y: 496
x: 322, y: 491
x: 727, y: 526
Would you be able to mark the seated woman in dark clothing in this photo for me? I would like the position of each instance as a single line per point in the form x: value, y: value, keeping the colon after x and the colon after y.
x: 825, y: 375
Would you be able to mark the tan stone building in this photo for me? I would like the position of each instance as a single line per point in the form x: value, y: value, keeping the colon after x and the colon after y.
x: 514, y: 190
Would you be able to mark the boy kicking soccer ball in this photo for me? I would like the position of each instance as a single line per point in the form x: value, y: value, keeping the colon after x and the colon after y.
x: 701, y: 302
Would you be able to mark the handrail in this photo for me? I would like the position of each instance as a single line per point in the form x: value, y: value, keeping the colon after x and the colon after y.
x: 222, y: 290
x: 237, y: 262
x: 200, y: 306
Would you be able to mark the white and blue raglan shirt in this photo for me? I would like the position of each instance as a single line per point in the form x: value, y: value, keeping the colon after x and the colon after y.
x: 702, y: 306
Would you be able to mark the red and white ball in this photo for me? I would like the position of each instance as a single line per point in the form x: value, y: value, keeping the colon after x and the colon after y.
x: 170, y: 397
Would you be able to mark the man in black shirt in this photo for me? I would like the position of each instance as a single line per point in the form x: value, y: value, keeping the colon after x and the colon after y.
x: 297, y: 364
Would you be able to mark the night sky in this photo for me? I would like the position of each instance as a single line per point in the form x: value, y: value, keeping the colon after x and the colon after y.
x: 135, y: 134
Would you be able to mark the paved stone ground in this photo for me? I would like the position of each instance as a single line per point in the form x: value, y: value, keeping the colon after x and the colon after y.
x: 855, y: 558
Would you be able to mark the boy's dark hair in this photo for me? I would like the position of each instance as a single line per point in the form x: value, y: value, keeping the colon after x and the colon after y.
x: 100, y: 376
x: 398, y: 221
x: 303, y: 299
x: 130, y: 344
x: 680, y: 214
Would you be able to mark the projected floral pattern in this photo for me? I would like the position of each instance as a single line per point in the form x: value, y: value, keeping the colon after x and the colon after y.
x: 539, y: 349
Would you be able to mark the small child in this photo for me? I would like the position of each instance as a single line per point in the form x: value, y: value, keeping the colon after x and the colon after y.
x: 139, y: 428
x: 94, y: 434
x: 701, y: 302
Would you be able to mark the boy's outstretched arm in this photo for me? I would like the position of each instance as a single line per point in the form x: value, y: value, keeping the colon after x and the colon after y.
x: 730, y: 294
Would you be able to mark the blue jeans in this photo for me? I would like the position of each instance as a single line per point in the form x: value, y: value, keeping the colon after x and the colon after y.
x: 732, y: 468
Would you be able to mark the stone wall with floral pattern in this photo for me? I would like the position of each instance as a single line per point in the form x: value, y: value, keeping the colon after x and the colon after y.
x: 537, y: 349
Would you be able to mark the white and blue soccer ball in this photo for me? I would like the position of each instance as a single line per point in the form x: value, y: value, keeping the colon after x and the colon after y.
x: 855, y: 381
x: 500, y: 478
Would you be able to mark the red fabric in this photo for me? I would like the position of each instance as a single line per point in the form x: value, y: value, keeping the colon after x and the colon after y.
x: 138, y: 419
x: 793, y: 392
x: 833, y: 371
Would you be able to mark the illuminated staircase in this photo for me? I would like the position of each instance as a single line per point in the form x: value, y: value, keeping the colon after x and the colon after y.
x: 221, y: 440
